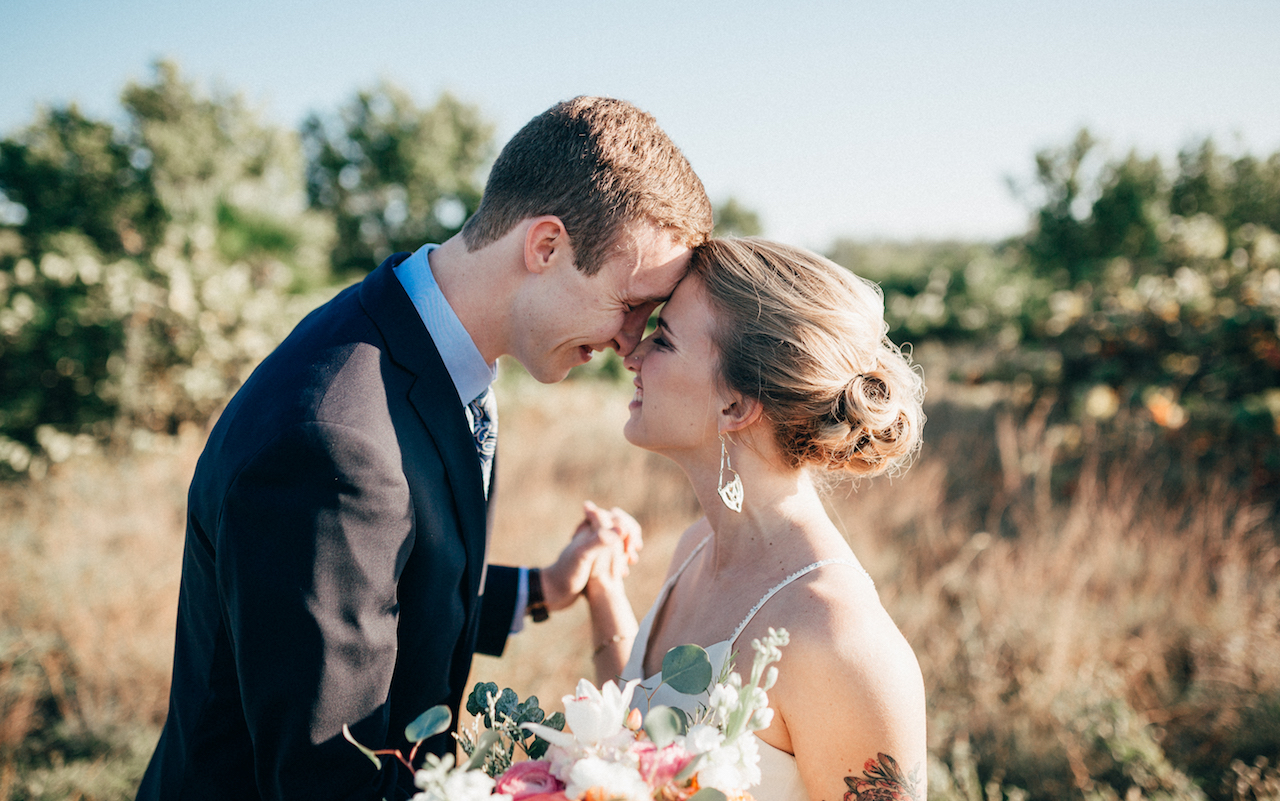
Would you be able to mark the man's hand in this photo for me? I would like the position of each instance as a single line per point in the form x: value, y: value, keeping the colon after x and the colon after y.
x: 604, y: 546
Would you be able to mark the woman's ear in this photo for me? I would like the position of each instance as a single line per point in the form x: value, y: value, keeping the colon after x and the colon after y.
x: 741, y: 413
x: 545, y: 242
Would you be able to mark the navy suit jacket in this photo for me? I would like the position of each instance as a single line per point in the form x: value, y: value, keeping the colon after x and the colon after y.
x: 334, y: 566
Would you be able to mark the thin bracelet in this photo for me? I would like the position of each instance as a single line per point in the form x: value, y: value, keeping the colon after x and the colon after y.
x: 615, y: 639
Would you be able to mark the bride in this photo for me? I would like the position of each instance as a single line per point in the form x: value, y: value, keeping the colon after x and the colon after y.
x: 769, y: 374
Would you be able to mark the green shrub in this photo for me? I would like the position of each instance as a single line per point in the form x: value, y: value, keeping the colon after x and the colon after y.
x: 151, y: 268
x: 1144, y: 303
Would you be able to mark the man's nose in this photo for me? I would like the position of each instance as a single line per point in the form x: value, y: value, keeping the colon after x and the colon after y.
x: 632, y: 330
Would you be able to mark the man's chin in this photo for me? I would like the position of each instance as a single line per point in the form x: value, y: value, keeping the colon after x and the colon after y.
x: 553, y: 371
x: 549, y: 373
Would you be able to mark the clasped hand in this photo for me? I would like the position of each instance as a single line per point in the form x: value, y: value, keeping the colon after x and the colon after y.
x: 604, y: 546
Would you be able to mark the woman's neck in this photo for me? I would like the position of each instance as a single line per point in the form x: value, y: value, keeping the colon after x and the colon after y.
x: 780, y: 507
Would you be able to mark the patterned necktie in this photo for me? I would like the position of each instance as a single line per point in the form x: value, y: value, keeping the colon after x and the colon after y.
x: 484, y: 430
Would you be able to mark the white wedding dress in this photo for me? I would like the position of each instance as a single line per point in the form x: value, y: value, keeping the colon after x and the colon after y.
x: 779, y: 775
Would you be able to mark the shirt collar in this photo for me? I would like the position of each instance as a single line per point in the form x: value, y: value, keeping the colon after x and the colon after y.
x: 470, y: 373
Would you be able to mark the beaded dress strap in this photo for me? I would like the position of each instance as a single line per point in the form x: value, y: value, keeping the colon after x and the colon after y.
x: 801, y: 572
x: 696, y: 549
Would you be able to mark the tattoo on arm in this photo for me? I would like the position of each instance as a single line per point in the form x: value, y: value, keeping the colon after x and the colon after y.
x: 883, y: 780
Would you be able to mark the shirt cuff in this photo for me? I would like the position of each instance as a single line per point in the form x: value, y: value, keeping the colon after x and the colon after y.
x: 522, y: 601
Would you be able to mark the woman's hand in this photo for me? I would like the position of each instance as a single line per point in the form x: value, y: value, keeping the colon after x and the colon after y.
x: 603, y: 547
x: 623, y: 535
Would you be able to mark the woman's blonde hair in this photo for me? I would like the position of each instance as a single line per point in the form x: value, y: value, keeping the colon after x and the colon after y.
x: 807, y: 338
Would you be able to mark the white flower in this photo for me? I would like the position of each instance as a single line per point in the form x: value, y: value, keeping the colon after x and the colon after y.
x: 559, y: 759
x: 596, y: 718
x: 595, y: 715
x: 760, y: 719
x: 732, y: 767
x: 619, y: 780
x: 724, y: 699
x: 439, y: 780
x: 703, y: 738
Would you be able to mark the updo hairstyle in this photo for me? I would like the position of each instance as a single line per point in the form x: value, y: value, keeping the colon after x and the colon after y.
x: 807, y: 338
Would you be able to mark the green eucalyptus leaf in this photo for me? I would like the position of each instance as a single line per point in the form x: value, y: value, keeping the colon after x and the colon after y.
x: 686, y: 669
x: 507, y: 706
x: 537, y: 748
x: 367, y: 752
x: 478, y: 701
x: 435, y: 720
x: 529, y: 711
x: 708, y: 794
x: 663, y: 725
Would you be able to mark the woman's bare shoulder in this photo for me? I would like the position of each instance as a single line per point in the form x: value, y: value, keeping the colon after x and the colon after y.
x: 846, y: 669
x: 838, y: 627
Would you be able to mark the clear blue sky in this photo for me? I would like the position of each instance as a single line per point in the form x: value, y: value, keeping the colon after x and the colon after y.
x: 892, y: 119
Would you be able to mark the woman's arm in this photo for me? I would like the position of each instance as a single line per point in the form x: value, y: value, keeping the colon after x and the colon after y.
x: 613, y: 627
x: 613, y: 623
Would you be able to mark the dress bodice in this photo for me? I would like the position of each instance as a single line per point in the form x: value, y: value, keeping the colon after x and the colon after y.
x: 780, y: 776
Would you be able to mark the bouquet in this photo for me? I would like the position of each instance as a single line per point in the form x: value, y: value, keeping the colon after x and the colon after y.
x: 609, y: 751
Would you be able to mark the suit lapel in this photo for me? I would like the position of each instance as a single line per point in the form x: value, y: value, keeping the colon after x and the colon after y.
x: 435, y: 399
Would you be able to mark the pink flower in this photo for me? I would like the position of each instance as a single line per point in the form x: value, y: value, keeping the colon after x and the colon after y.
x: 556, y: 796
x: 659, y: 766
x: 523, y: 780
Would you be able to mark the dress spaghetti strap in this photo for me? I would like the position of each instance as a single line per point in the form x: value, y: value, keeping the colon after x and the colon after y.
x: 801, y: 572
x: 696, y: 549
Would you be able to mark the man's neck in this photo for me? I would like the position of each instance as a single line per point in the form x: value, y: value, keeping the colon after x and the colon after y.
x: 475, y: 285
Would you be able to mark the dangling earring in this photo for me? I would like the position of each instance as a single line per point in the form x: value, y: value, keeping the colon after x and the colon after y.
x: 730, y: 493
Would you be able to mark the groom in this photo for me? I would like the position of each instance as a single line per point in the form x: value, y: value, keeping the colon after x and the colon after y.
x: 334, y: 570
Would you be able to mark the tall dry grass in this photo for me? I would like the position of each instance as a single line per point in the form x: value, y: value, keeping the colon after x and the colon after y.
x: 1114, y: 643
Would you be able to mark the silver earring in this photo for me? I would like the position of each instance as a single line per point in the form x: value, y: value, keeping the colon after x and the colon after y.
x: 730, y: 493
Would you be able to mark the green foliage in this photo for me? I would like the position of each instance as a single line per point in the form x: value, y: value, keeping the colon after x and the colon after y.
x: 145, y: 269
x: 394, y: 175
x: 153, y: 266
x: 434, y: 721
x: 664, y: 724
x: 1143, y: 300
x: 686, y: 669
x: 734, y: 219
x: 71, y: 173
x: 502, y: 715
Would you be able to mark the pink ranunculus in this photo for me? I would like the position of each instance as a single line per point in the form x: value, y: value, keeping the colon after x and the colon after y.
x: 524, y: 780
x: 658, y: 766
x: 558, y: 795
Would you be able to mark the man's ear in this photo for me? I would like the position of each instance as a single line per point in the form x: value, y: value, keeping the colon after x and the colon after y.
x: 545, y: 242
x: 741, y: 413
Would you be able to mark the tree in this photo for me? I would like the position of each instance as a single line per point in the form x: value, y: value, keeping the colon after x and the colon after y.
x: 393, y: 175
x: 734, y: 219
x: 152, y: 267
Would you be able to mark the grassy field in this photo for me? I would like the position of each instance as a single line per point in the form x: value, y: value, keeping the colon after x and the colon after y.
x: 1111, y: 644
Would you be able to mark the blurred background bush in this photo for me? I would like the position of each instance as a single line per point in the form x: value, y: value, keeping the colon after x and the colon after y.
x: 1086, y: 557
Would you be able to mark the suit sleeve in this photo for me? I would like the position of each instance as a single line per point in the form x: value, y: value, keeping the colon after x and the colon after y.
x: 312, y: 538
x: 497, y: 614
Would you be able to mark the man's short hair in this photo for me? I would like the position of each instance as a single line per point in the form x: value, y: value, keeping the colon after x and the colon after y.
x: 599, y: 164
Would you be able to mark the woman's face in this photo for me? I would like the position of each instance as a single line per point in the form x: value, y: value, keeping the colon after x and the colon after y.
x: 678, y: 398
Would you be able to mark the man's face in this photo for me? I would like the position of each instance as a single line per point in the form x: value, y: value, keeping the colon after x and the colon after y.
x: 570, y: 316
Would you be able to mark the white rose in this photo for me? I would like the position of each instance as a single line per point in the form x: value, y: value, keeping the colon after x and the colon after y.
x: 619, y: 781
